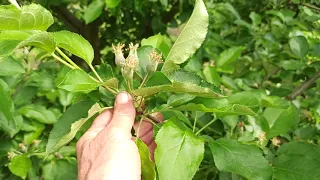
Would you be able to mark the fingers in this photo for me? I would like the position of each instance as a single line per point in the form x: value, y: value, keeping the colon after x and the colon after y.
x: 97, y: 126
x: 122, y: 119
x: 124, y: 113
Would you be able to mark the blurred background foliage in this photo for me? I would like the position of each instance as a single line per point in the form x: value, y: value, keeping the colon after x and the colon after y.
x: 268, y: 45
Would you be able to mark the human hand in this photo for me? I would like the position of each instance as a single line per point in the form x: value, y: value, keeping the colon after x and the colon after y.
x: 107, y: 149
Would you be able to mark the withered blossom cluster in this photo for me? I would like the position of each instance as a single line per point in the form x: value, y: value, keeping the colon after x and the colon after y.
x: 130, y: 64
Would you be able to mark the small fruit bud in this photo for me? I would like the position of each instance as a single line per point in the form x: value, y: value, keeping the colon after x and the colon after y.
x: 133, y: 54
x: 23, y: 147
x: 119, y: 58
x: 154, y: 59
x: 36, y: 143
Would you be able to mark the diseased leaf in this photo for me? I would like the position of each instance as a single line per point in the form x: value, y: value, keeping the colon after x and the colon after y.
x: 247, y: 160
x: 20, y: 165
x: 30, y: 17
x: 69, y: 124
x: 75, y: 44
x: 93, y: 11
x: 299, y: 46
x: 10, y: 66
x: 190, y: 38
x: 297, y: 160
x: 147, y: 165
x: 172, y: 155
x: 78, y: 81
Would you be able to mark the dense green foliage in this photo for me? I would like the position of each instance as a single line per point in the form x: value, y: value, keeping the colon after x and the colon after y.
x: 239, y: 86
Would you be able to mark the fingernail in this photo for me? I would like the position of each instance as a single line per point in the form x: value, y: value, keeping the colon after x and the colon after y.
x: 123, y: 98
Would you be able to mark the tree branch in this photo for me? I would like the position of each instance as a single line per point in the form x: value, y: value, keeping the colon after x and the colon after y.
x: 303, y: 87
x: 311, y: 6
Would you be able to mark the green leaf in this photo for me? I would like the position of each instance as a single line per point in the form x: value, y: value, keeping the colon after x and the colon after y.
x: 16, y: 34
x: 157, y: 79
x: 20, y: 166
x: 147, y: 165
x: 28, y: 137
x: 281, y: 120
x: 291, y: 64
x: 10, y: 66
x: 211, y: 75
x: 245, y: 160
x: 235, y: 109
x: 78, y: 81
x: 252, y: 99
x: 61, y: 129
x: 6, y: 104
x: 143, y: 55
x: 297, y: 160
x: 60, y: 169
x: 190, y: 39
x: 93, y: 11
x: 172, y: 155
x: 228, y: 56
x: 42, y: 40
x: 8, y: 46
x: 255, y: 18
x: 185, y: 77
x: 179, y: 99
x: 30, y: 17
x: 157, y: 41
x: 38, y: 39
x: 39, y: 113
x: 299, y: 46
x: 112, y: 3
x: 75, y: 44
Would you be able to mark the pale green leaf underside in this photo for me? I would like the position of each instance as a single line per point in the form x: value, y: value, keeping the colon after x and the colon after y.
x: 177, y: 157
x: 75, y: 44
x: 30, y: 17
x: 75, y: 127
x: 63, y: 125
x: 190, y: 38
x: 20, y: 39
x: 235, y: 109
x: 147, y: 165
x: 246, y: 160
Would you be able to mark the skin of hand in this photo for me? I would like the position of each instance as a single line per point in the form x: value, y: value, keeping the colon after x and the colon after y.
x: 107, y: 150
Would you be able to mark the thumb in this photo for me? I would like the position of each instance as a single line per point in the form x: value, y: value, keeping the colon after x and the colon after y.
x: 123, y: 114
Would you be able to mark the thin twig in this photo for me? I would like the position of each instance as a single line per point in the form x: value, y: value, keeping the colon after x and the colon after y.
x: 311, y: 6
x: 303, y: 87
x: 62, y: 61
x: 207, y: 125
x: 67, y: 58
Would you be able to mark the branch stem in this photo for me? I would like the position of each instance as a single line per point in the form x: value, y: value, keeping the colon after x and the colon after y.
x: 207, y: 125
x: 67, y: 58
x: 304, y: 86
x: 62, y: 61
